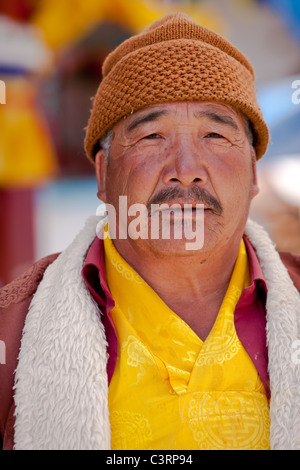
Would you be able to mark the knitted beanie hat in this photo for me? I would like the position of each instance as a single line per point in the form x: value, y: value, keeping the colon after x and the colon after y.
x: 175, y: 59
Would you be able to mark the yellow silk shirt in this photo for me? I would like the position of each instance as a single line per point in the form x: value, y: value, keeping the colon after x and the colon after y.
x: 172, y: 391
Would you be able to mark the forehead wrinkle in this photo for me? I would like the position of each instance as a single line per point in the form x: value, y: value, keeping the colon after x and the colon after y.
x: 150, y: 117
x: 216, y: 116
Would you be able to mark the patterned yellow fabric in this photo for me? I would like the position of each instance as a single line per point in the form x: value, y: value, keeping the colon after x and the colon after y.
x: 170, y: 390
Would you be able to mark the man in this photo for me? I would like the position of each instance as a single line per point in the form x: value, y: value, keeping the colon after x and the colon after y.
x: 136, y: 342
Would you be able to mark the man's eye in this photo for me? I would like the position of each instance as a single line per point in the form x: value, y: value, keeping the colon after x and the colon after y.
x: 152, y: 136
x: 214, y: 135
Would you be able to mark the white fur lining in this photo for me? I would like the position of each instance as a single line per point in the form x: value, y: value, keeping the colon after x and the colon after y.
x: 283, y: 315
x: 61, y: 389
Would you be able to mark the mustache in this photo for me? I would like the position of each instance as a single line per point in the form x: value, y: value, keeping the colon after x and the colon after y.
x: 195, y: 194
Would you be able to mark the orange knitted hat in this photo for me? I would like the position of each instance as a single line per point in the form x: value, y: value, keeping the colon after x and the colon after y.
x: 175, y: 59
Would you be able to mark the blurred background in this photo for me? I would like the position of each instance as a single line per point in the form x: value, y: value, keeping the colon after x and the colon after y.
x: 51, y: 52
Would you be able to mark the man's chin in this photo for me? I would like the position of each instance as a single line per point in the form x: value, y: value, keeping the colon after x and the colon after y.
x: 174, y: 247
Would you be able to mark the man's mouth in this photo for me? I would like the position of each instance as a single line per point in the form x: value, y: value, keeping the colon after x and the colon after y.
x: 175, y: 198
x: 178, y: 209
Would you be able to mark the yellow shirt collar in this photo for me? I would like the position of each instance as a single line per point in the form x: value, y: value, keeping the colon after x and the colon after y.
x: 168, y: 336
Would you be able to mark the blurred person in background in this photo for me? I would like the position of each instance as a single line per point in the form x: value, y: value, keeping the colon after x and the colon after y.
x: 138, y: 343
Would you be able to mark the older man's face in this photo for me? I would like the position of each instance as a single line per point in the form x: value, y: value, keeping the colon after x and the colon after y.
x: 190, y: 152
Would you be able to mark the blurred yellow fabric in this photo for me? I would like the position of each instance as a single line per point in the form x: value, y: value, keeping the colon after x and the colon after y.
x: 27, y: 156
x: 65, y: 21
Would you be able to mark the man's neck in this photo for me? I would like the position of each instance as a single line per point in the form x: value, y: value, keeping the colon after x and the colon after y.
x: 193, y: 286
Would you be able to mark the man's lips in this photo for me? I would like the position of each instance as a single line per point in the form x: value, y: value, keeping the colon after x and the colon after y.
x: 184, y: 203
x: 193, y: 197
x: 180, y: 210
x: 180, y: 207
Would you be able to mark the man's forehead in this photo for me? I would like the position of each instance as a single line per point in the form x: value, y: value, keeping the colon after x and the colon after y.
x: 195, y: 107
x: 216, y: 111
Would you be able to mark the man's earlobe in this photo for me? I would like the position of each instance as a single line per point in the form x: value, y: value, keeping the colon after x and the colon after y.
x: 100, y: 168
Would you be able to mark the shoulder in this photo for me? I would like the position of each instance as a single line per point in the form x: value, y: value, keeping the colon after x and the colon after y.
x: 292, y: 264
x: 15, y: 299
x: 25, y: 285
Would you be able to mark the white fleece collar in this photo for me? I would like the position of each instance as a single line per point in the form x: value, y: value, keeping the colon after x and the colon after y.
x: 61, y: 392
x: 61, y: 389
x: 283, y: 324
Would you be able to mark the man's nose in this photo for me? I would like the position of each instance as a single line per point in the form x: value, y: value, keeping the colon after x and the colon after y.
x: 187, y: 164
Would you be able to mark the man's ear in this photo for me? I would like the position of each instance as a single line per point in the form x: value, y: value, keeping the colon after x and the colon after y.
x: 255, y: 189
x: 101, y: 167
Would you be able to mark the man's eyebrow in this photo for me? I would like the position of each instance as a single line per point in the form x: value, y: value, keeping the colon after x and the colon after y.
x: 152, y: 116
x: 218, y: 118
